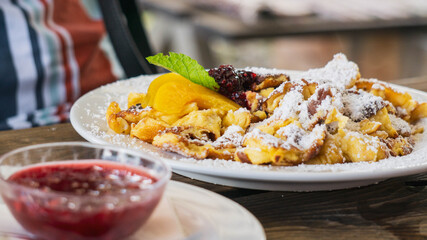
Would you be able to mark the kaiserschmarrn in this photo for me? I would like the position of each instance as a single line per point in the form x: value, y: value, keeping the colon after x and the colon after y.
x: 322, y: 116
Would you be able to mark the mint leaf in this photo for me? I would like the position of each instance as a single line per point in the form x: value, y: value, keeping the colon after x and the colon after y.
x: 186, y: 67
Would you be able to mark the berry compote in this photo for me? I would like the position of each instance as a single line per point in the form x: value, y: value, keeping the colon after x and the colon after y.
x: 233, y: 83
x: 89, y: 199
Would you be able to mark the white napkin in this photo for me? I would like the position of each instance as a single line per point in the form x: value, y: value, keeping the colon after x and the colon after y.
x: 163, y: 224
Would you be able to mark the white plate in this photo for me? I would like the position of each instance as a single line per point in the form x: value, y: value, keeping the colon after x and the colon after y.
x: 88, y: 119
x: 202, y: 214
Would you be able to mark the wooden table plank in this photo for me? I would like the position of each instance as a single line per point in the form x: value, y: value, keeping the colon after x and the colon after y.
x: 389, y: 210
x: 20, y: 138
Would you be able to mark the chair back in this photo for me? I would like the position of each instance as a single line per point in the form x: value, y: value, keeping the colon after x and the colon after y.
x: 124, y: 25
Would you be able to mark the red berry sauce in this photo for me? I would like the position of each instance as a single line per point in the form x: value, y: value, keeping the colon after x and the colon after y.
x: 233, y: 83
x: 53, y: 217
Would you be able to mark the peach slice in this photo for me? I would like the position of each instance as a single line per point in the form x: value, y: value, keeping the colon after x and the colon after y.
x: 170, y: 93
x: 154, y: 86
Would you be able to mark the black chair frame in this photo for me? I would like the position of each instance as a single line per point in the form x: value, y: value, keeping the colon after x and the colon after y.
x: 124, y: 25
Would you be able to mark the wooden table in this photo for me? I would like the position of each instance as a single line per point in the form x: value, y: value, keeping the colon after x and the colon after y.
x: 393, y: 209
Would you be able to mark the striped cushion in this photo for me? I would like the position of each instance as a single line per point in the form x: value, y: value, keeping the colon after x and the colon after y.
x: 52, y: 52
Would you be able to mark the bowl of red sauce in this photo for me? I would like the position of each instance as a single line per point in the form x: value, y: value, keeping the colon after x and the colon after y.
x: 78, y: 190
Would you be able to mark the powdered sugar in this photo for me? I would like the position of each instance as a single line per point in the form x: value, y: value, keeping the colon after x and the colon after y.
x: 277, y: 90
x: 359, y: 105
x: 288, y: 106
x: 241, y: 110
x: 316, y: 107
x: 264, y: 71
x: 401, y: 111
x: 232, y: 136
x: 377, y: 86
x: 372, y: 143
x: 267, y: 139
x: 299, y: 138
x: 139, y: 109
x: 331, y: 81
x: 400, y: 125
x: 339, y: 73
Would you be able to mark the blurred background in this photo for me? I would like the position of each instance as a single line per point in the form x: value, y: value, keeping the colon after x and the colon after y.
x: 386, y: 38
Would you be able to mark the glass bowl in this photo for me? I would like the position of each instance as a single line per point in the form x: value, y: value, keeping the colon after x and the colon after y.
x: 78, y: 190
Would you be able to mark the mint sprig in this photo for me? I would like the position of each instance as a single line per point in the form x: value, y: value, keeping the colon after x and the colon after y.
x: 186, y: 67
